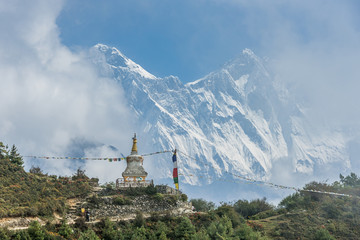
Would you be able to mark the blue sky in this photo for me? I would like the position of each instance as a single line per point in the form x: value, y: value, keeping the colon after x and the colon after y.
x: 183, y: 38
x: 191, y: 38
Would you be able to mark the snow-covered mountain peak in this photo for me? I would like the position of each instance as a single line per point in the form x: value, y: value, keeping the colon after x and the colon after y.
x: 233, y: 119
x: 117, y: 59
x: 249, y: 52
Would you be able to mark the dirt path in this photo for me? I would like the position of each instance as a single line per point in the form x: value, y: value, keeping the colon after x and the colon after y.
x: 17, y: 223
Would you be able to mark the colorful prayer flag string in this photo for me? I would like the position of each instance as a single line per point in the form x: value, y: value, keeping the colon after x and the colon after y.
x: 175, y: 171
x: 109, y: 159
x: 79, y: 158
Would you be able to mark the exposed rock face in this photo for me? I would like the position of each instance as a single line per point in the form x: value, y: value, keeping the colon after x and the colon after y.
x: 145, y: 204
x: 123, y: 204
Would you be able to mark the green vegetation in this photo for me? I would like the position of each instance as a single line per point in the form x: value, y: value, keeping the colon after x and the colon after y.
x: 195, y: 226
x: 303, y: 215
x: 121, y: 200
x: 12, y: 154
x: 202, y: 205
x: 34, y: 194
x: 311, y: 215
x: 248, y: 209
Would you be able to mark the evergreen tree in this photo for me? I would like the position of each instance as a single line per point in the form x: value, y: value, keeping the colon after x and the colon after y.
x: 36, y: 170
x: 89, y: 235
x: 247, y: 209
x: 163, y: 236
x: 221, y: 229
x: 15, y: 157
x: 352, y: 180
x: 4, y: 234
x: 185, y: 229
x: 323, y: 234
x: 3, y: 151
x: 202, y: 205
x: 139, y: 234
x: 161, y: 229
x: 65, y: 230
x: 139, y: 220
x: 35, y: 231
x: 109, y: 231
x: 201, y: 235
x: 21, y: 235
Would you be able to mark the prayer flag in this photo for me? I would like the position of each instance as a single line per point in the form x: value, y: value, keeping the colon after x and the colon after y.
x: 175, y: 171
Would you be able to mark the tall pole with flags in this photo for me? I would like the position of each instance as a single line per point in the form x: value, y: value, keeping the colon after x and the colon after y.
x: 175, y: 171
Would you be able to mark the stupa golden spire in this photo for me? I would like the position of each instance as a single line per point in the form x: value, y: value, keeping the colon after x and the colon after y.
x: 134, y: 150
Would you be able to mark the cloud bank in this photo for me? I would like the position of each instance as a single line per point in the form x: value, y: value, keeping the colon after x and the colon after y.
x: 50, y: 96
x: 315, y: 47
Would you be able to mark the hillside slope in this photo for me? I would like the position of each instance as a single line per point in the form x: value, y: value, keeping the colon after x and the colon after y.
x: 25, y: 194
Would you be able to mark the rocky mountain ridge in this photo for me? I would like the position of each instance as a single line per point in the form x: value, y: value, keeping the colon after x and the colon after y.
x: 237, y: 119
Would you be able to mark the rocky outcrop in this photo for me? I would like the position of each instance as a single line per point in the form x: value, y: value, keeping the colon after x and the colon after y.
x: 145, y: 204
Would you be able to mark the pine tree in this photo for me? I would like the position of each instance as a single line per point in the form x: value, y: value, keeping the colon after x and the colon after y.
x: 89, y: 235
x: 185, y: 229
x: 3, y: 151
x: 65, y: 230
x: 139, y: 220
x: 15, y: 157
x: 35, y: 231
x: 163, y: 236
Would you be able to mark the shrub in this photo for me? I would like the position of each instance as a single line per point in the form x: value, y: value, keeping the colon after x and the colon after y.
x: 150, y: 190
x: 21, y: 235
x: 95, y: 200
x: 246, y: 232
x: 159, y: 196
x: 171, y: 199
x: 229, y: 211
x: 65, y: 230
x: 184, y: 229
x: 221, y: 229
x: 291, y: 202
x: 247, y: 209
x: 255, y: 226
x: 332, y: 211
x: 108, y: 230
x: 139, y: 219
x: 4, y: 234
x: 323, y: 234
x: 80, y: 175
x: 36, y: 170
x: 183, y: 197
x: 89, y: 235
x: 35, y: 231
x: 202, y: 205
x: 119, y: 200
x: 80, y: 224
x: 155, y: 216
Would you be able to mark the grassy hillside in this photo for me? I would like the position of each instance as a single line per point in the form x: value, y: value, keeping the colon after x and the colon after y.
x: 302, y: 215
x: 30, y: 194
x: 308, y: 215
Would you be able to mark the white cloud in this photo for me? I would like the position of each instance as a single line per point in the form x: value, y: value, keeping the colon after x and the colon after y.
x: 48, y: 94
x: 316, y: 48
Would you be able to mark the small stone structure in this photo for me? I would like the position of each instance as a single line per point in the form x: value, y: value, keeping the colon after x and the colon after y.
x: 134, y: 174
